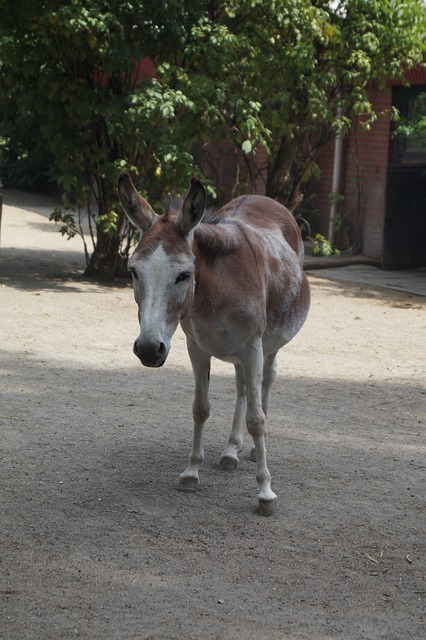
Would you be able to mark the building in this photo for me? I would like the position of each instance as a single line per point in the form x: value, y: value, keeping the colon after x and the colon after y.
x: 380, y: 182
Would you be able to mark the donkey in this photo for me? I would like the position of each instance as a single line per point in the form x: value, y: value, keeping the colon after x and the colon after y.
x: 235, y: 282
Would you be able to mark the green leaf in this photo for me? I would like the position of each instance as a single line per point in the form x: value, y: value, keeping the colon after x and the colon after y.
x: 247, y: 146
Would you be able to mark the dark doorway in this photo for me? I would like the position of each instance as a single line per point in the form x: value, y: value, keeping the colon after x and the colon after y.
x: 405, y: 219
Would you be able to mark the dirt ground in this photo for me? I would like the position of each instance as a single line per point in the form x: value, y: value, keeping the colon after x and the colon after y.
x: 96, y: 541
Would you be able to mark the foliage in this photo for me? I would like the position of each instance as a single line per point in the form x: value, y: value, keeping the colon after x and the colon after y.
x: 70, y: 85
x: 322, y: 247
x: 24, y: 163
x: 292, y: 74
x: 288, y: 75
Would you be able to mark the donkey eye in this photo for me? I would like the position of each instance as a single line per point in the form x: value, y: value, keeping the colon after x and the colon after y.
x: 185, y: 275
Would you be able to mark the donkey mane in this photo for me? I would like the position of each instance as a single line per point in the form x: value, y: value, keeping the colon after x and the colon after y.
x: 211, y: 235
x: 218, y: 236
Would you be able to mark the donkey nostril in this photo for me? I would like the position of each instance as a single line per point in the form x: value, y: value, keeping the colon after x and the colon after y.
x: 150, y: 353
x: 135, y: 348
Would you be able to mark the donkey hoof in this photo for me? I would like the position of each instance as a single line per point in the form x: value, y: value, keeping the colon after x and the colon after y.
x: 188, y: 483
x: 228, y: 463
x: 268, y: 507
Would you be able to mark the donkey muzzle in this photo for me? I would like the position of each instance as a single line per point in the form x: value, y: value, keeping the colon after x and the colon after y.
x: 151, y: 354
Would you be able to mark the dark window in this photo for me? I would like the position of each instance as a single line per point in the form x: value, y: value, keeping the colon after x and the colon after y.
x: 408, y: 149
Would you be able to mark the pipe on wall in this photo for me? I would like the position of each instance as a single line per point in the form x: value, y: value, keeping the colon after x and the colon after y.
x: 337, y: 178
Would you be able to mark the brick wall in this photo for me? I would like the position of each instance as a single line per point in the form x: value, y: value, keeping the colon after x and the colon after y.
x: 363, y: 182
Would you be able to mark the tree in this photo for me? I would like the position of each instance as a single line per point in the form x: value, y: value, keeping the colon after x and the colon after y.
x: 285, y: 74
x: 72, y: 70
x: 290, y: 75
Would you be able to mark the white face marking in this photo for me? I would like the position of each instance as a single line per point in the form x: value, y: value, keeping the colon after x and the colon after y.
x: 160, y: 283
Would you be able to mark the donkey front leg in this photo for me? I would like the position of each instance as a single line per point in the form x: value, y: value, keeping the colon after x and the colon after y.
x: 269, y: 375
x: 229, y: 459
x: 252, y: 362
x: 200, y: 361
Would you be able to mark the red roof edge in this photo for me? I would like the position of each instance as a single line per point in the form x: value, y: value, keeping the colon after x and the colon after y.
x: 417, y: 75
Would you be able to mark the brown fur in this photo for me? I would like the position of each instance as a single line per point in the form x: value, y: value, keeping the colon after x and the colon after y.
x: 247, y: 297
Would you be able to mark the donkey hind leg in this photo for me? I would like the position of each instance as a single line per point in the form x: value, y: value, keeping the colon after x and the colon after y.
x: 269, y: 375
x: 229, y: 459
x: 200, y: 361
x: 252, y: 361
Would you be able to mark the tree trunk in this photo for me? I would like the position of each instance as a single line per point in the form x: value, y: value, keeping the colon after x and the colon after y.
x: 108, y: 259
x: 279, y: 172
x: 285, y: 176
x: 290, y: 169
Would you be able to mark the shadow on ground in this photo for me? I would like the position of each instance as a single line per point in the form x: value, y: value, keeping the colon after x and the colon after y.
x: 98, y: 542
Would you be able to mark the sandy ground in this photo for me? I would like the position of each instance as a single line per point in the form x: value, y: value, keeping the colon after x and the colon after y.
x: 97, y: 543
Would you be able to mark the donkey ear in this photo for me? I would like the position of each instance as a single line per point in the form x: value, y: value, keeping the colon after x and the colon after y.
x: 193, y: 207
x: 139, y: 212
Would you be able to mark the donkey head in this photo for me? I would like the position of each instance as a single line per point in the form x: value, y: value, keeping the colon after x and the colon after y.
x: 162, y: 267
